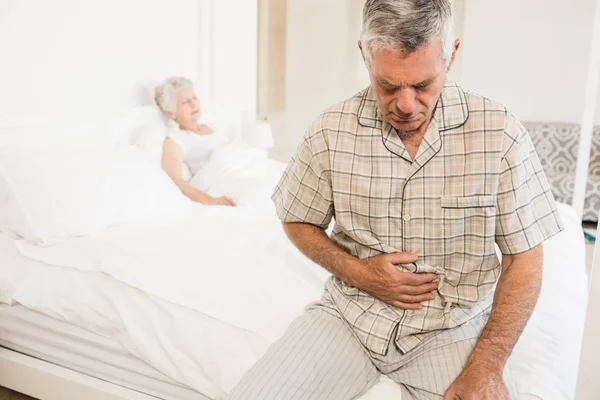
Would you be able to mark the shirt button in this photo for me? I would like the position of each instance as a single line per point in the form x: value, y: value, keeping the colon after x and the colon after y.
x: 406, y: 217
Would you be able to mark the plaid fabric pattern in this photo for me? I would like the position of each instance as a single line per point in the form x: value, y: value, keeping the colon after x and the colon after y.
x: 475, y: 181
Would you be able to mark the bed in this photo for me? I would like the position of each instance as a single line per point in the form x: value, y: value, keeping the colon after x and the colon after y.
x: 83, y: 319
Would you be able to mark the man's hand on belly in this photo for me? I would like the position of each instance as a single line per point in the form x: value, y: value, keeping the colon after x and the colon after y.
x: 377, y: 276
x: 405, y: 290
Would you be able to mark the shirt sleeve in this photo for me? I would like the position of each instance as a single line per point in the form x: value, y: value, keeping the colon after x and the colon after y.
x: 304, y: 193
x: 526, y: 211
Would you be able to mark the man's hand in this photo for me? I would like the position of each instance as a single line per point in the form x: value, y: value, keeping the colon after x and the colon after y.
x: 377, y: 276
x: 477, y: 384
x: 514, y: 299
x: 404, y: 290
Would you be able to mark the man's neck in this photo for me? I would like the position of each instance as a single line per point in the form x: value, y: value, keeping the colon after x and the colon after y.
x: 413, y: 141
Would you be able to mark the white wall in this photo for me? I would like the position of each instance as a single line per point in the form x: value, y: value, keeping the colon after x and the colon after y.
x: 234, y: 57
x: 598, y: 108
x: 63, y: 56
x: 322, y: 65
x: 531, y: 55
x: 69, y: 59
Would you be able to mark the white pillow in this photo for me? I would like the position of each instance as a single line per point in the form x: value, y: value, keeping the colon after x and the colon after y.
x: 151, y: 139
x: 48, y: 195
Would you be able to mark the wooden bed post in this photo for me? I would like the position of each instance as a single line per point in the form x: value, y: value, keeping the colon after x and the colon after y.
x: 587, y: 119
x: 588, y: 385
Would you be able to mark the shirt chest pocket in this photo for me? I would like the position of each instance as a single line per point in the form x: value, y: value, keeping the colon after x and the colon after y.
x: 469, y: 230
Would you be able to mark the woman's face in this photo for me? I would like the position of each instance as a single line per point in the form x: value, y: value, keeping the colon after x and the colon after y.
x: 188, y: 108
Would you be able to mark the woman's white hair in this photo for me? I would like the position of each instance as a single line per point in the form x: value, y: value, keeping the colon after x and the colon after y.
x: 165, y: 94
x: 406, y: 25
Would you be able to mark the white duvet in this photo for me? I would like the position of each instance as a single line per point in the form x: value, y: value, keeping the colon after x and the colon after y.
x: 231, y: 264
x: 244, y: 173
x: 226, y: 262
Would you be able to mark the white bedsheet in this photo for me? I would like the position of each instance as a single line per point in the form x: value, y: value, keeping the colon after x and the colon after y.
x: 544, y: 361
x: 546, y: 358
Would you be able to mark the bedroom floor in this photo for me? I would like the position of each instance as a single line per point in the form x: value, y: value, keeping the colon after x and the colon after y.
x: 6, y: 394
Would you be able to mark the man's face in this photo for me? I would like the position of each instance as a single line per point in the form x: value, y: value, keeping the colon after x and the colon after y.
x: 188, y: 108
x: 407, y: 87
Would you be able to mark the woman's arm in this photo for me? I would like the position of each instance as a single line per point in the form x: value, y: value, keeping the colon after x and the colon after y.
x: 172, y: 161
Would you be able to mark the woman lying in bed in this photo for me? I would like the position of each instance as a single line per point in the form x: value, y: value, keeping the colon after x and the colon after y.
x: 189, y: 144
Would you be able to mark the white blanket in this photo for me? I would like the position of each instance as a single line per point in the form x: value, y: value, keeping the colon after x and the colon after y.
x: 245, y: 174
x: 231, y: 264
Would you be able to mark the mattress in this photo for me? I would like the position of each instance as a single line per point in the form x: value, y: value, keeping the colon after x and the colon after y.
x: 68, y: 346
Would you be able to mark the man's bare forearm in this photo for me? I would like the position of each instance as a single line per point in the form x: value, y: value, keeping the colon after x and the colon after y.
x: 314, y: 243
x: 516, y: 295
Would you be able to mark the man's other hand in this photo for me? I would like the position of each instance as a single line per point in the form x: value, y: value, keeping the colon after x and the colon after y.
x: 478, y: 384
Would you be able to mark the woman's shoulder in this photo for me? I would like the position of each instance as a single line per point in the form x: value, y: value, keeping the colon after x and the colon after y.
x: 182, y: 138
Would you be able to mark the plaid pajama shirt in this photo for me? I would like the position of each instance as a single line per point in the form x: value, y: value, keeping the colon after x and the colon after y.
x: 476, y: 181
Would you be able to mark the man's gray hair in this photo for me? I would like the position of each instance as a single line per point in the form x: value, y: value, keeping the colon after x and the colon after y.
x: 406, y: 25
x: 165, y: 94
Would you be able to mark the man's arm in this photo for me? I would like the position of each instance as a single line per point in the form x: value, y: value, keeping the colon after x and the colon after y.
x: 377, y: 276
x: 516, y: 294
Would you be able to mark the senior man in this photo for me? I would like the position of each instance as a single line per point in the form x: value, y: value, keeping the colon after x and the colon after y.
x: 423, y: 179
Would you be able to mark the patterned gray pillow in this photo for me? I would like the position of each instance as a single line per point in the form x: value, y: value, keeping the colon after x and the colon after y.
x: 557, y: 146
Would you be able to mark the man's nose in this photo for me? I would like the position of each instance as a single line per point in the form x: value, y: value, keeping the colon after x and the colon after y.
x: 406, y: 101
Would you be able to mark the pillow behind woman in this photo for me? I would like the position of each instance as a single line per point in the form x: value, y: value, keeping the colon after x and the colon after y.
x: 48, y: 195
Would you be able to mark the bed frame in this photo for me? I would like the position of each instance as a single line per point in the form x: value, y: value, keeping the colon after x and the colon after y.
x: 47, y: 381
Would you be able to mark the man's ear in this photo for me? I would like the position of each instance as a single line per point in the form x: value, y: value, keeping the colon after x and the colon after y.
x: 170, y: 114
x: 362, y: 53
x: 456, y: 47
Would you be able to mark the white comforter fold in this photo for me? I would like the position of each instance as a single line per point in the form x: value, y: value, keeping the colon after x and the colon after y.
x: 245, y: 174
x: 228, y: 263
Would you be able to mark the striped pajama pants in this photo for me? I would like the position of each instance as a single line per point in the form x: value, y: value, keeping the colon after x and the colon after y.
x: 319, y: 358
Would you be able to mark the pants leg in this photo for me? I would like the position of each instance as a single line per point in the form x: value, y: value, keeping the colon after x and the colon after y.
x: 428, y: 376
x: 436, y: 364
x: 317, y: 358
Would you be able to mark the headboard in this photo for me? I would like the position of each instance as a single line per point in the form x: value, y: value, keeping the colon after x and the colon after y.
x: 557, y: 145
